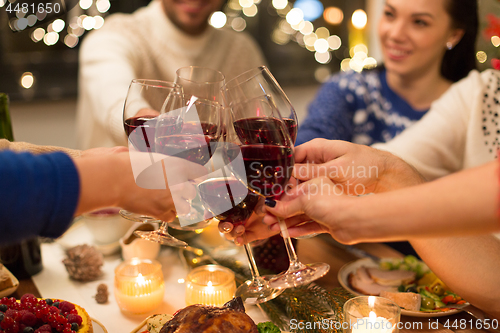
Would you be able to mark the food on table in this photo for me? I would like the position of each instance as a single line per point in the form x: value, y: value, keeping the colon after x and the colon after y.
x: 268, y: 327
x: 83, y: 263
x: 230, y: 318
x: 30, y: 314
x: 396, y: 277
x: 407, y: 301
x: 155, y: 323
x: 362, y: 282
x: 102, y: 294
x: 5, y: 280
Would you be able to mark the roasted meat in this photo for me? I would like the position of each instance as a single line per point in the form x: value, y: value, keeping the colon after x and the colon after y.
x: 230, y: 318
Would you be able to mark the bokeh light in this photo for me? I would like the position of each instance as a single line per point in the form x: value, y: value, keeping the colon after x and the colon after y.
x: 51, y: 38
x: 322, y: 33
x: 495, y: 40
x: 307, y: 28
x: 27, y: 80
x: 250, y: 11
x: 481, y: 57
x: 334, y: 42
x: 245, y: 3
x: 280, y: 4
x: 333, y: 15
x: 2, y: 2
x: 295, y: 16
x: 37, y: 34
x: 32, y: 20
x: 238, y: 24
x: 85, y: 4
x: 71, y: 40
x: 58, y: 25
x: 344, y: 65
x: 321, y: 45
x: 359, y: 19
x: 321, y: 74
x: 322, y: 58
x: 279, y: 37
x: 103, y: 5
x: 218, y: 19
x: 312, y: 9
x: 88, y: 23
x: 99, y: 22
x: 369, y: 63
x: 310, y: 39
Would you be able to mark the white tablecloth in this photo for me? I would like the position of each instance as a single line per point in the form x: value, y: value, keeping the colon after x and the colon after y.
x: 54, y: 282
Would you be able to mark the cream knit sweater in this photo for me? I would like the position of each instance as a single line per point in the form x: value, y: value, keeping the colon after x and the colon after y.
x: 145, y: 45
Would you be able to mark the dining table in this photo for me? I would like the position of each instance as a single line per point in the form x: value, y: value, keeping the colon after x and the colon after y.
x: 53, y: 282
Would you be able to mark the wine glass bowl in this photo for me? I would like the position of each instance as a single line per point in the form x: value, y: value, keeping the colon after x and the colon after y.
x: 247, y: 95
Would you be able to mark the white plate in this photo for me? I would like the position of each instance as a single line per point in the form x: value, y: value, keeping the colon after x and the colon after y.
x: 351, y: 267
x: 98, y: 327
x: 15, y: 282
x: 79, y: 234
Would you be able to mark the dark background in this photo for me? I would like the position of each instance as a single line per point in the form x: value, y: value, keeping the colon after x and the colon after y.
x: 56, y: 67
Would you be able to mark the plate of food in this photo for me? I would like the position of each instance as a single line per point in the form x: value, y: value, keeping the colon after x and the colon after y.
x: 8, y: 282
x: 230, y: 318
x: 407, y: 281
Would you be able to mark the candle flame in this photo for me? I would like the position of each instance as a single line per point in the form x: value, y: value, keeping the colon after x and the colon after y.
x: 209, y: 284
x: 371, y: 301
x: 372, y: 317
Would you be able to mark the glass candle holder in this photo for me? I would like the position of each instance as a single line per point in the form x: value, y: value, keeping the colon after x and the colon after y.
x: 139, y: 285
x: 371, y: 314
x: 210, y: 285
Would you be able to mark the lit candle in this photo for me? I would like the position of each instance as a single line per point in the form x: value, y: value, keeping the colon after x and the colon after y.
x: 371, y: 314
x: 210, y: 285
x: 139, y: 285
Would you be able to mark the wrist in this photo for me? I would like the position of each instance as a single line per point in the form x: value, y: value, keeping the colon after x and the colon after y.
x: 396, y: 174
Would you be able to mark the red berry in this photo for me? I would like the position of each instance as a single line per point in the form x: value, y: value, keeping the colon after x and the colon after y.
x: 75, y: 319
x: 54, y: 310
x: 4, y: 300
x: 74, y: 311
x: 11, y: 313
x: 29, y: 319
x: 66, y: 306
x: 45, y: 328
x: 28, y: 298
x: 13, y: 329
x: 7, y: 322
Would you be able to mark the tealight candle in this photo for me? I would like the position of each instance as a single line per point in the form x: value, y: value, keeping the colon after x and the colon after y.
x: 139, y: 285
x: 210, y: 285
x: 371, y: 314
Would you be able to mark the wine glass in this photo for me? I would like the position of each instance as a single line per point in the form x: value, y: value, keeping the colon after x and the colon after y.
x: 247, y: 86
x: 231, y: 198
x: 145, y: 99
x: 205, y: 84
x: 190, y: 132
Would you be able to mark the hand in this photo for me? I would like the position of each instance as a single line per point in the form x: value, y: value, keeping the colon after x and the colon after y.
x: 103, y: 151
x: 315, y: 206
x: 253, y: 229
x: 356, y: 169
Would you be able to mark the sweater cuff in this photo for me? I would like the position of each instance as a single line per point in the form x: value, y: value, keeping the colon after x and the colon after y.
x: 68, y: 193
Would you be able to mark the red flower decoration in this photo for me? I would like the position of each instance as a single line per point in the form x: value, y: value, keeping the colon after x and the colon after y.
x: 493, y: 28
x: 495, y: 63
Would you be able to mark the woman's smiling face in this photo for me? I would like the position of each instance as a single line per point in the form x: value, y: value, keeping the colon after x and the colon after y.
x: 414, y: 35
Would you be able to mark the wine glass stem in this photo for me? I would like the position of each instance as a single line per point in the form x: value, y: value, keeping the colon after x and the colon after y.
x: 251, y: 260
x: 292, y: 255
x: 163, y: 228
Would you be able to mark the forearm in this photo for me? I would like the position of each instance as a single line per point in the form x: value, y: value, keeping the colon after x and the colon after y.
x: 461, y: 204
x: 99, y: 181
x: 470, y: 266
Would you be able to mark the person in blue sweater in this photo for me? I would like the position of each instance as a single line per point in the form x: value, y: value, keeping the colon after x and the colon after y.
x: 40, y: 194
x: 426, y: 45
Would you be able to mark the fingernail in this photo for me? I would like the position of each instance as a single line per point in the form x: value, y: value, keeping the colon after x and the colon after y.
x: 226, y: 227
x: 240, y: 229
x: 274, y: 227
x: 238, y: 241
x: 270, y: 202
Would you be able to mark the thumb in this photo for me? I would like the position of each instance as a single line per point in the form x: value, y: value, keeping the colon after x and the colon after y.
x: 308, y: 171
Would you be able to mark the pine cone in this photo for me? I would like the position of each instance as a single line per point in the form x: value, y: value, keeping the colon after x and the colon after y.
x: 83, y: 263
x: 101, y: 298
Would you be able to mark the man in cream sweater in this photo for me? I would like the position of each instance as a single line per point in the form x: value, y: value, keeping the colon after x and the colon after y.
x: 151, y: 43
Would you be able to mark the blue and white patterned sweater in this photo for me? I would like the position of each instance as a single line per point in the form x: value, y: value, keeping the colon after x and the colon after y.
x: 357, y: 107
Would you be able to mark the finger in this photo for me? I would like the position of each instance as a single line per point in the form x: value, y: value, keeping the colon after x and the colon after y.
x: 310, y: 171
x: 225, y: 227
x: 306, y: 229
x: 271, y: 219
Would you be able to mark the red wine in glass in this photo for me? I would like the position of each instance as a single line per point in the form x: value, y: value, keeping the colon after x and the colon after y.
x: 218, y: 192
x: 189, y: 143
x: 268, y: 168
x: 145, y: 140
x: 264, y: 130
